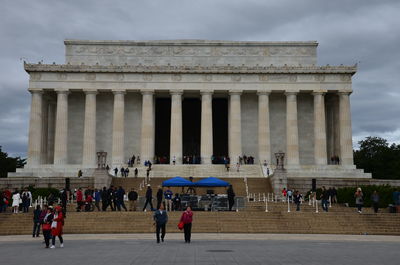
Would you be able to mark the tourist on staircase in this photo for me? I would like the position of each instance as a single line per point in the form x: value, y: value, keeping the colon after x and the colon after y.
x: 231, y: 197
x: 159, y: 196
x: 149, y: 198
x: 57, y: 227
x: 177, y: 202
x: 132, y: 197
x: 359, y: 199
x: 297, y: 199
x: 120, y: 199
x: 79, y: 200
x: 325, y: 199
x: 97, y: 198
x: 104, y: 199
x: 187, y: 219
x: 16, y: 198
x: 168, y: 199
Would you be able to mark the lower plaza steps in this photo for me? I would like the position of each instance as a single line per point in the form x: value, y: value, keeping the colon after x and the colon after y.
x: 254, y: 219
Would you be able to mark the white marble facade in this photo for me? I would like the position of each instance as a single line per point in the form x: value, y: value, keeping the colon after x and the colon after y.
x: 103, y: 99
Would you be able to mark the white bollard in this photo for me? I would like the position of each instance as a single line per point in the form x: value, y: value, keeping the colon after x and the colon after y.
x: 316, y: 206
x: 259, y: 197
x: 309, y: 199
x: 330, y: 202
x: 276, y: 198
x: 266, y: 206
x: 237, y: 205
x: 264, y: 199
x: 313, y: 202
x: 288, y: 206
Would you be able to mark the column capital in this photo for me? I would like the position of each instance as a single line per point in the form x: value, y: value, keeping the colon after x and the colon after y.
x: 119, y: 91
x: 206, y: 92
x: 62, y: 91
x: 263, y: 92
x: 176, y: 92
x: 319, y: 92
x: 147, y: 91
x: 90, y: 91
x: 36, y: 91
x: 345, y: 92
x: 291, y: 93
x: 235, y: 92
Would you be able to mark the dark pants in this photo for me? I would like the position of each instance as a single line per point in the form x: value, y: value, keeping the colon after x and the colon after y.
x: 148, y: 201
x: 36, y: 228
x: 359, y: 207
x: 231, y: 203
x: 325, y: 205
x: 376, y: 206
x: 47, y: 236
x: 104, y: 205
x: 119, y: 204
x: 158, y: 228
x: 187, y: 229
x: 96, y: 203
x: 79, y: 205
x: 53, y: 240
x: 26, y: 206
x: 298, y: 206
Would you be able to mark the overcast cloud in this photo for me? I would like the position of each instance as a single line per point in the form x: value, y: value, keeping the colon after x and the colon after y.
x: 348, y: 32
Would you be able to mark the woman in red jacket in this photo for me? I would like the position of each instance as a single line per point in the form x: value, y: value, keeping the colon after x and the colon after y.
x: 187, y: 219
x: 57, y: 226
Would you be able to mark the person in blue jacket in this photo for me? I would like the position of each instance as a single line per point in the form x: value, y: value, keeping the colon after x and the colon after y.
x: 160, y: 220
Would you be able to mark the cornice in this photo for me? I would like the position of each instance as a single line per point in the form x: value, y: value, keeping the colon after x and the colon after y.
x: 169, y: 69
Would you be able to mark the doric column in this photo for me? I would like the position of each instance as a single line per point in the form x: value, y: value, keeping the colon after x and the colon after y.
x: 147, y: 135
x: 292, y: 131
x: 206, y: 142
x: 45, y: 110
x: 35, y: 129
x: 51, y: 118
x: 176, y: 127
x: 89, y: 131
x: 346, y: 143
x: 264, y: 143
x: 320, y: 153
x: 118, y: 128
x: 61, y: 135
x: 235, y: 127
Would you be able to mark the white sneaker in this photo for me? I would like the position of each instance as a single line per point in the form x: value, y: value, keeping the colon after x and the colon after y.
x: 61, y: 245
x: 52, y: 246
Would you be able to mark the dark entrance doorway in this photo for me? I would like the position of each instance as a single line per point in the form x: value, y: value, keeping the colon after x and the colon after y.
x: 162, y: 130
x: 191, y: 119
x: 220, y: 129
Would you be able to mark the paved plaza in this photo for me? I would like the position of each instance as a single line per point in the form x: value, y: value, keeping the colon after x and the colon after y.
x: 205, y: 249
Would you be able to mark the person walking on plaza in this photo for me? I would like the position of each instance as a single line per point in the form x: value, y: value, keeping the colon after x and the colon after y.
x: 187, y: 219
x: 36, y: 221
x: 297, y: 200
x: 231, y: 197
x: 26, y: 200
x: 57, y: 227
x: 132, y: 199
x: 136, y: 172
x: 16, y: 200
x: 359, y: 199
x: 46, y: 226
x: 168, y: 198
x: 115, y: 172
x: 159, y: 196
x: 149, y: 198
x: 160, y: 220
x: 375, y: 201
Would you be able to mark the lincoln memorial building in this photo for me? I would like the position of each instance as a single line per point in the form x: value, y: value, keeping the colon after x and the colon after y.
x: 193, y: 101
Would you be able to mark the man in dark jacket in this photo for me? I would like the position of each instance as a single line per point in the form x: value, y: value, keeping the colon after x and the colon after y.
x: 111, y: 198
x: 231, y: 197
x: 120, y: 198
x: 149, y: 198
x: 160, y: 220
x: 160, y: 194
x: 104, y: 199
x: 36, y: 221
x: 132, y: 197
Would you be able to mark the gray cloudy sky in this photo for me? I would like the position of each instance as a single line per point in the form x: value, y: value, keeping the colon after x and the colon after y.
x: 348, y: 31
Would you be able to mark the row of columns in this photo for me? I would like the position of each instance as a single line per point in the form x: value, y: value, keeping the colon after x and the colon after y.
x: 39, y: 146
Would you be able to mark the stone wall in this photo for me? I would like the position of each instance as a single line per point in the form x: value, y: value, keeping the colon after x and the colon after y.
x: 46, y: 182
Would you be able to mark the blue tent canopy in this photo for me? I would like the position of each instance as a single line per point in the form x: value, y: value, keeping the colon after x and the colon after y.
x: 177, y: 182
x: 211, y: 182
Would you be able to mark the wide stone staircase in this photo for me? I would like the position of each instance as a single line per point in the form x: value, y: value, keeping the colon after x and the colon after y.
x: 340, y: 220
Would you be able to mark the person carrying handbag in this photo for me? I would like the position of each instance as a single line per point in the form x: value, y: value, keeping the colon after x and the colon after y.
x: 46, y: 226
x: 187, y: 219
